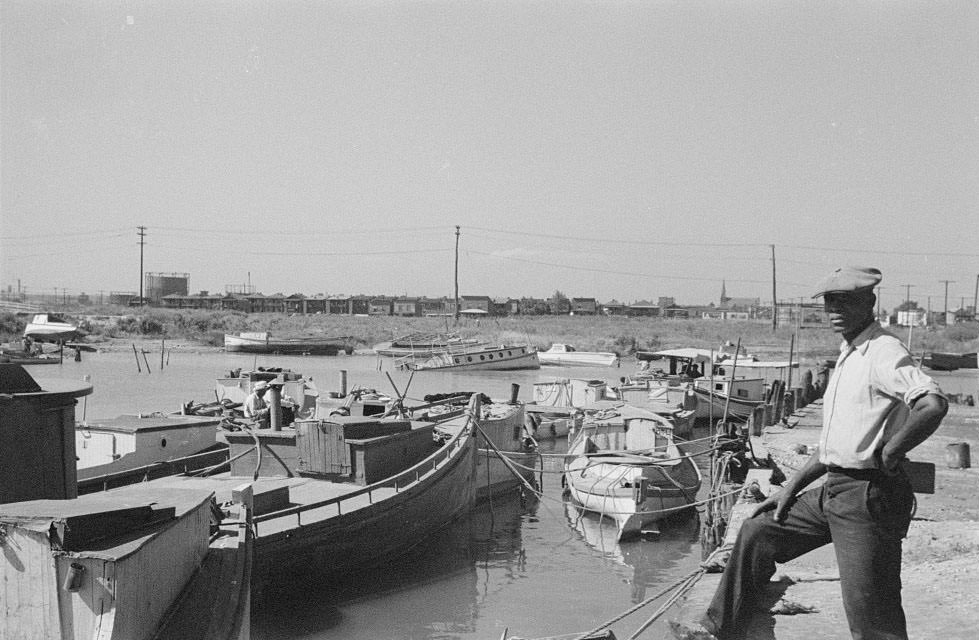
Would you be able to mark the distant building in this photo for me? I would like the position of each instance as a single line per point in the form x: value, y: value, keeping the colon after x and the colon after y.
x: 584, y: 306
x: 158, y: 285
x: 483, y: 303
x: 644, y: 309
x: 533, y: 307
x: 614, y: 308
x: 406, y: 307
x: 559, y: 306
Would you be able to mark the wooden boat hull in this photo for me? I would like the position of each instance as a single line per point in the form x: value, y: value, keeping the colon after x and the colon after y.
x: 500, y: 432
x: 578, y: 359
x: 949, y: 361
x: 51, y: 331
x: 350, y: 532
x: 642, y: 479
x: 737, y: 408
x: 500, y: 359
x: 291, y: 346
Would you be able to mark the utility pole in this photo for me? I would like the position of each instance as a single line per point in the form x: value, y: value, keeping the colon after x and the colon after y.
x: 141, y: 232
x: 907, y: 302
x: 975, y: 300
x: 774, y: 299
x: 946, y: 299
x: 457, y: 274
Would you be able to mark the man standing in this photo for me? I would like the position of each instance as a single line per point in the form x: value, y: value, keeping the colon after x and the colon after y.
x: 878, y: 405
x: 255, y: 406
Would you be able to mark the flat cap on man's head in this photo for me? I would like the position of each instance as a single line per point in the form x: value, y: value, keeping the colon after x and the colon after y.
x: 849, y: 280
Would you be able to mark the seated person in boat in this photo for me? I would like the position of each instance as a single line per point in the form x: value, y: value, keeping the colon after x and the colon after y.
x: 692, y: 370
x: 255, y: 406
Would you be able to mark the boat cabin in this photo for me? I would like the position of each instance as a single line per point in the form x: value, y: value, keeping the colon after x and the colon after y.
x: 347, y: 449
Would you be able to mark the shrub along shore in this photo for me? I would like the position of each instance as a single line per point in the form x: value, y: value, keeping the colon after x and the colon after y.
x: 623, y: 336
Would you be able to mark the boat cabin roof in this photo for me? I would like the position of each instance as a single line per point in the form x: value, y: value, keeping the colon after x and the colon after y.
x: 109, y: 524
x: 143, y: 424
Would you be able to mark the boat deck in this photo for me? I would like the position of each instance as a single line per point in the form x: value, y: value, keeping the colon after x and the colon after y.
x: 301, y: 491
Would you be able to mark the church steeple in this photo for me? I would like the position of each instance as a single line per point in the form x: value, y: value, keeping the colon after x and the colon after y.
x: 724, y: 297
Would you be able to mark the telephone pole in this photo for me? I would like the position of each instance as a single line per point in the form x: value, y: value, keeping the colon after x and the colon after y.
x: 774, y: 298
x: 141, y: 232
x: 457, y: 274
x: 907, y: 302
x: 946, y: 299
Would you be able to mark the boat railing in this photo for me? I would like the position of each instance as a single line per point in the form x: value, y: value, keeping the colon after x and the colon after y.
x: 399, y: 482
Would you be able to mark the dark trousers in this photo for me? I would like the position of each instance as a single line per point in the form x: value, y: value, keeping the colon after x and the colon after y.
x: 866, y: 514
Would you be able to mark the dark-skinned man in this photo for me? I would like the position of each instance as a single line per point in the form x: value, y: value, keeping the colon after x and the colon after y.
x: 877, y: 406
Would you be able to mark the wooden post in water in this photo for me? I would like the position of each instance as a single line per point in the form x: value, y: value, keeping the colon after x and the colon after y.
x: 136, y: 354
x: 163, y: 349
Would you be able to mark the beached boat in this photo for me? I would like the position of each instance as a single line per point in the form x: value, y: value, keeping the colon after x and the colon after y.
x: 626, y: 466
x: 48, y: 327
x: 507, y: 460
x: 949, y: 361
x: 134, y: 564
x: 263, y: 342
x: 422, y: 345
x: 567, y: 355
x: 337, y: 495
x: 478, y: 358
x: 25, y: 358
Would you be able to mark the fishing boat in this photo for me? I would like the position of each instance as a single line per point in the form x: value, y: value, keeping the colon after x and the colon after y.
x: 559, y: 404
x: 625, y: 465
x: 298, y: 393
x: 506, y: 459
x: 476, y: 358
x: 49, y: 327
x: 263, y: 342
x: 566, y: 355
x: 137, y: 563
x: 322, y: 484
x: 422, y: 345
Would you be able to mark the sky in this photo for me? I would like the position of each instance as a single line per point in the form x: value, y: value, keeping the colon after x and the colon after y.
x: 607, y: 149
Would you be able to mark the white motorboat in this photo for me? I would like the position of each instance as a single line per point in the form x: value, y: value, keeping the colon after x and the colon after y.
x: 48, y: 327
x: 566, y: 355
x: 625, y: 465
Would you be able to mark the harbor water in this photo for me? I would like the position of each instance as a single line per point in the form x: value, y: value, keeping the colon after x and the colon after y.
x: 532, y: 566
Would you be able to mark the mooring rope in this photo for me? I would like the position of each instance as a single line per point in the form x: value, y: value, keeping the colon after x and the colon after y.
x: 653, y: 598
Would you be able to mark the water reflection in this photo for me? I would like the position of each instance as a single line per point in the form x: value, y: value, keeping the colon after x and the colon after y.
x: 435, y: 591
x: 653, y: 561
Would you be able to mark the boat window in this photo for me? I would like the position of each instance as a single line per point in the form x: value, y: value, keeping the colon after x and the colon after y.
x: 491, y: 356
x: 500, y: 355
x: 457, y: 360
x: 469, y: 358
x: 743, y: 393
x: 509, y: 353
x: 482, y: 357
x: 718, y: 386
x: 163, y: 443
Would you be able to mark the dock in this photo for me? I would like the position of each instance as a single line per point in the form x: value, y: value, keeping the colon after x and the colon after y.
x: 940, y: 584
